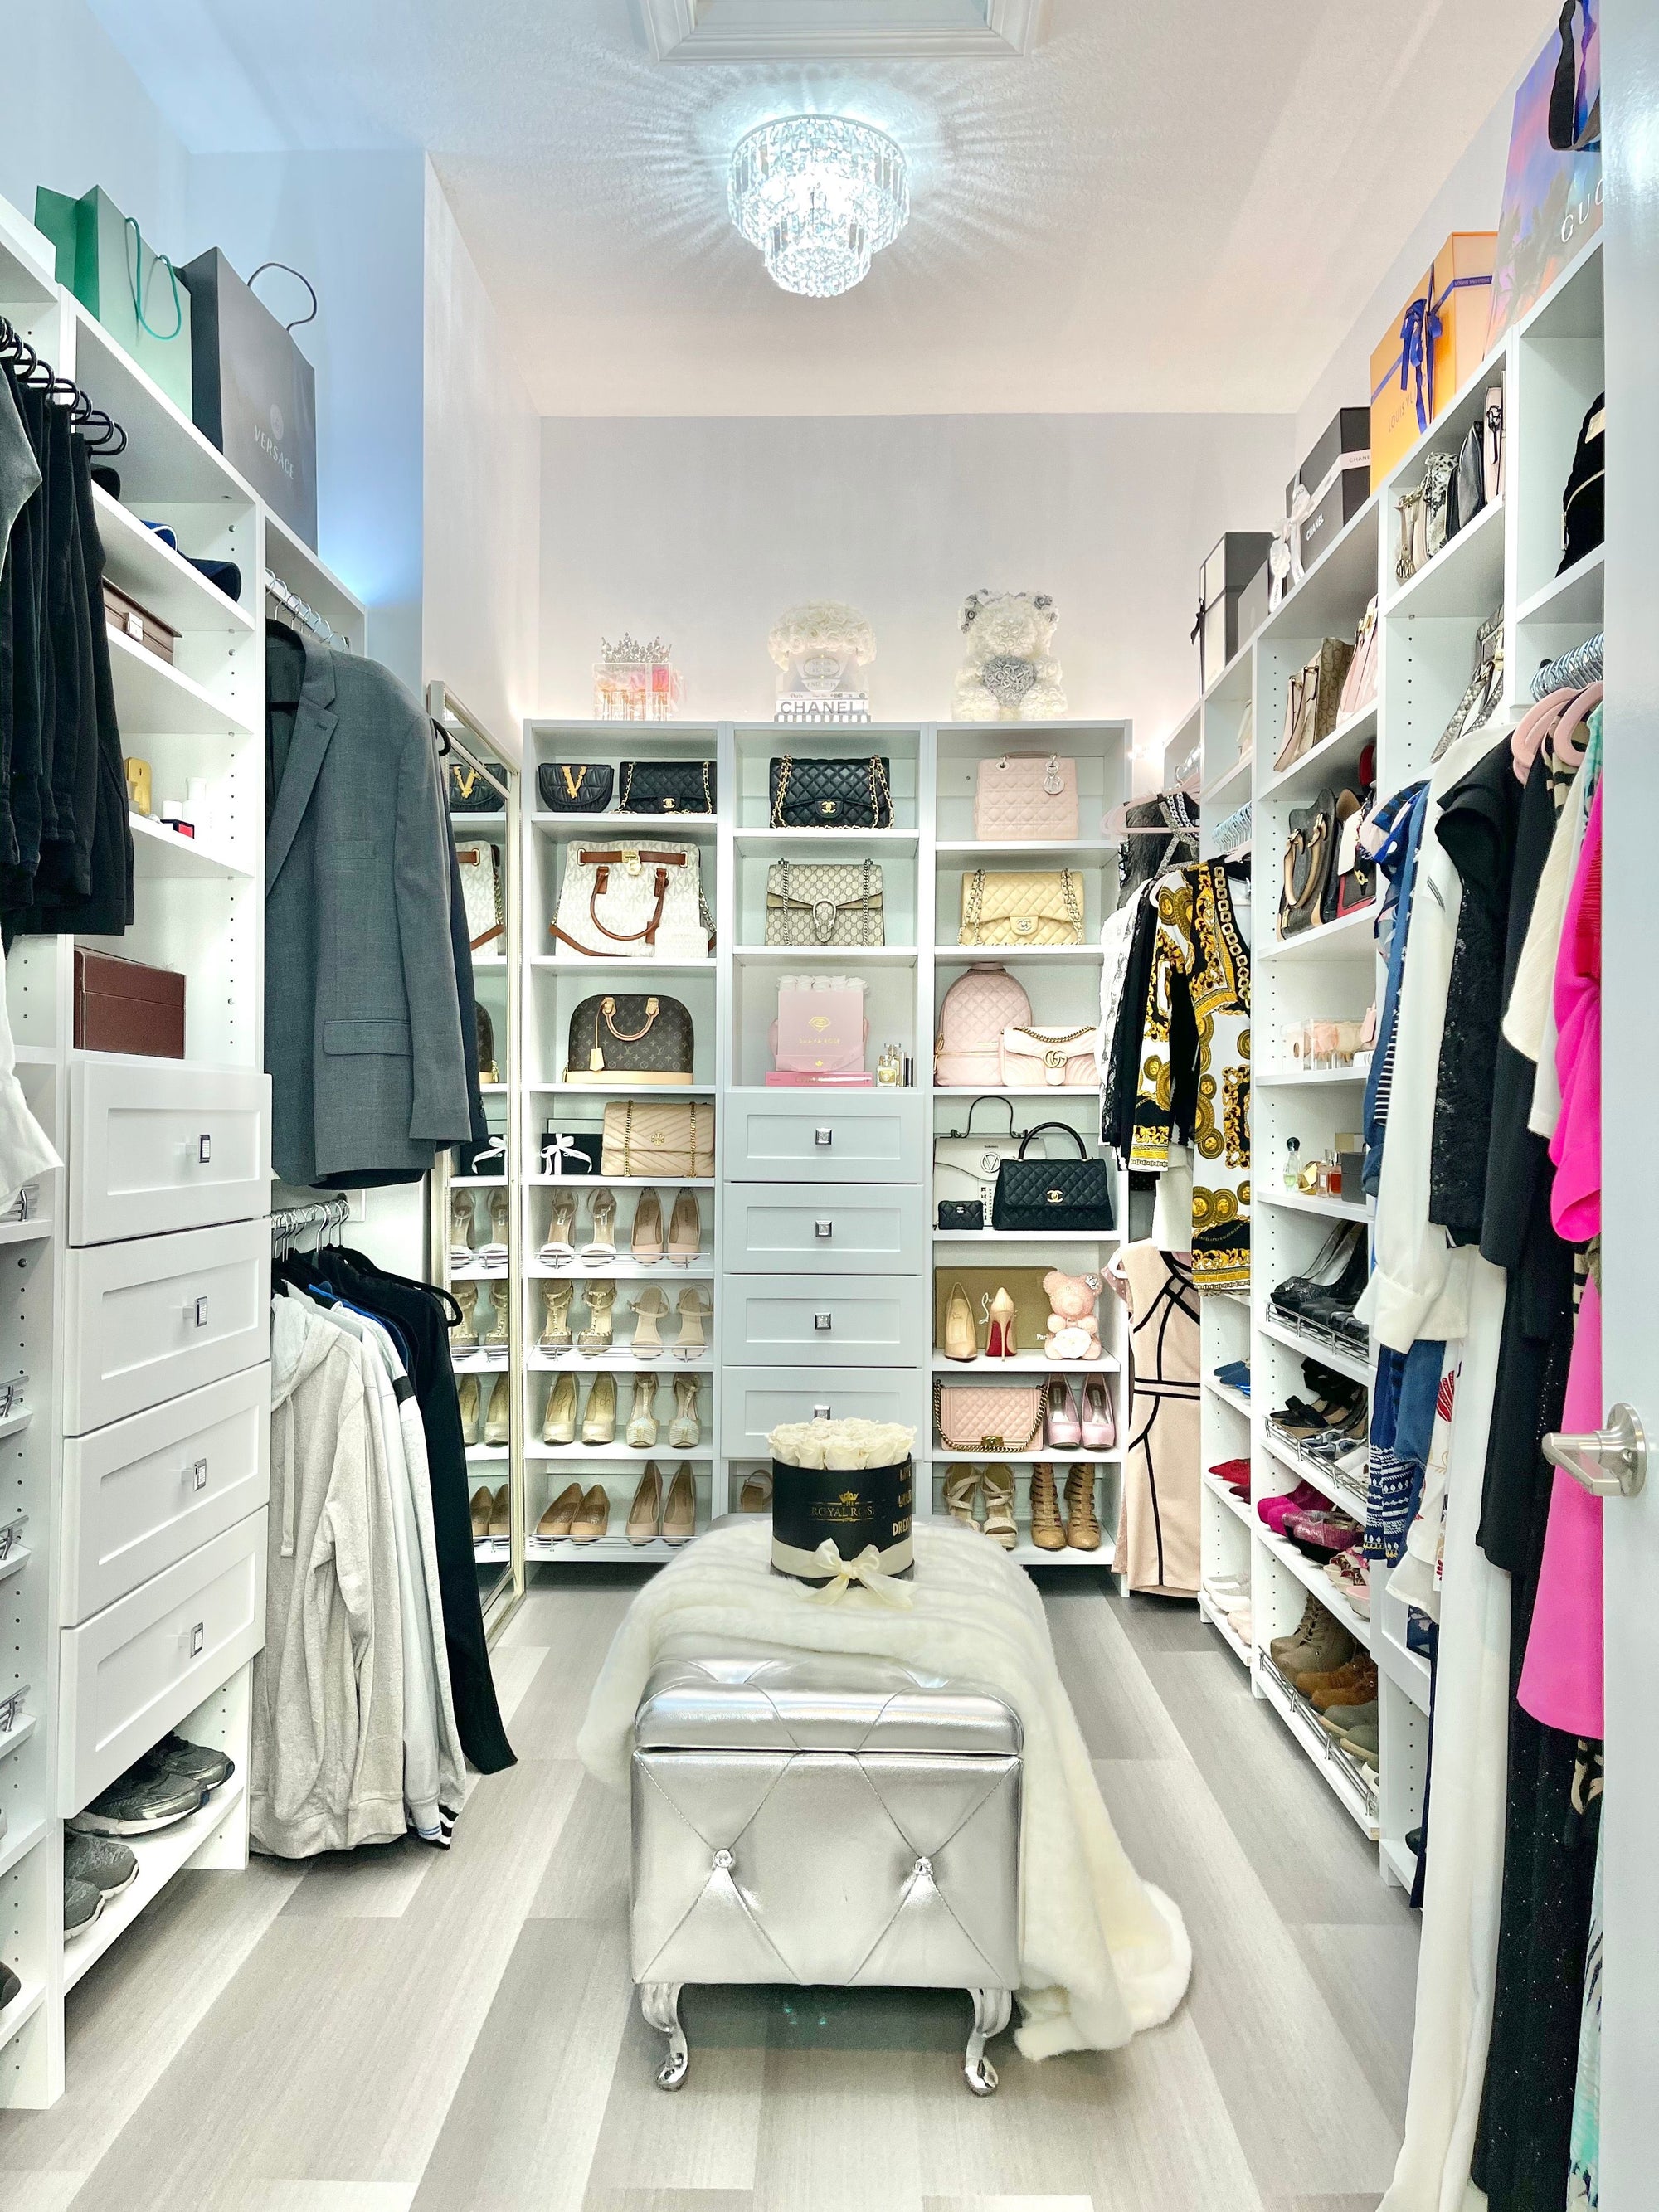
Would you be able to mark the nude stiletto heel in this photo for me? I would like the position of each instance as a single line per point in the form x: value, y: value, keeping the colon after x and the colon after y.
x: 554, y: 1525
x: 645, y: 1514
x: 599, y: 1420
x: 999, y: 1343
x: 685, y: 1231
x: 961, y: 1336
x: 642, y: 1420
x: 679, y: 1513
x: 1065, y: 1426
x: 685, y: 1430
x: 595, y: 1339
x: 602, y: 1245
x: 645, y: 1239
x: 648, y: 1310
x: 691, y: 1342
x: 559, y: 1426
x: 1099, y: 1429
x: 468, y: 1396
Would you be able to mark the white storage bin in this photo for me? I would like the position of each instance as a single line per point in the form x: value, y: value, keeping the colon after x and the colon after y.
x: 153, y: 1318
x: 844, y: 1321
x: 844, y: 1229
x: 824, y: 1137
x: 145, y: 1492
x: 160, y: 1145
x: 135, y: 1670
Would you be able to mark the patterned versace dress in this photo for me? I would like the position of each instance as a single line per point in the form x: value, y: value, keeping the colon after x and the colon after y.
x: 1195, y: 1066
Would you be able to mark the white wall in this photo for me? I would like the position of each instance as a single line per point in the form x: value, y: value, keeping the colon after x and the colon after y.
x: 705, y: 530
x: 482, y: 526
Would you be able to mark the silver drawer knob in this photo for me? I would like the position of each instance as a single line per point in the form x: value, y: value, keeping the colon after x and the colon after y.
x: 195, y: 1639
x: 197, y: 1312
x: 204, y: 1150
x: 824, y: 1230
x: 824, y: 1138
x: 822, y: 1322
x: 196, y: 1474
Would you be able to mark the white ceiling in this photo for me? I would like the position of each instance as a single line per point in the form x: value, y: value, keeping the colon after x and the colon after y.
x: 1172, y: 204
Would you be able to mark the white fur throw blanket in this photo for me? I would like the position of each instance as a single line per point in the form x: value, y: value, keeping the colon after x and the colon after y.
x: 1102, y: 1954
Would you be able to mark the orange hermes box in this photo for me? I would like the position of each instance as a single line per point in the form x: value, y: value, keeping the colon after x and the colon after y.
x: 1432, y: 348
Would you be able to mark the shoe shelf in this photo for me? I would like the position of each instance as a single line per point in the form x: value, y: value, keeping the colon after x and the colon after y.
x: 1228, y: 1396
x: 1329, y: 1485
x: 1229, y: 1499
x: 621, y: 1361
x: 700, y: 1270
x: 1407, y: 1670
x: 1025, y: 1237
x: 608, y: 1181
x: 18, y: 1840
x: 15, y: 2016
x: 1317, y: 1582
x: 611, y: 1551
x: 1055, y: 1456
x: 1347, y: 1779
x: 1208, y: 1610
x: 12, y: 1738
x: 1355, y: 1365
x: 1025, y: 1363
x: 1025, y: 1553
x: 1400, y: 1862
x: 159, y: 1856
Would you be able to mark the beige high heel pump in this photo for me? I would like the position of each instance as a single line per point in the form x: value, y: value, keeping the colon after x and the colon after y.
x: 961, y: 1336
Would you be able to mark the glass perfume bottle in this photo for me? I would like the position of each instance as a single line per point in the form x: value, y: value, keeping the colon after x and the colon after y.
x: 1293, y: 1164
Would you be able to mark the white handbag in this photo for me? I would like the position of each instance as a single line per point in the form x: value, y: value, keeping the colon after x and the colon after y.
x: 480, y: 866
x: 632, y: 902
x: 965, y: 1164
x: 1036, y: 1059
x: 1025, y: 795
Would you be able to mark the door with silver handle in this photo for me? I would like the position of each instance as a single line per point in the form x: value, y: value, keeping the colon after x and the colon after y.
x: 1610, y: 1462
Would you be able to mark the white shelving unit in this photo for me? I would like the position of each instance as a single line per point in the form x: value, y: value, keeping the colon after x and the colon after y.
x: 1551, y: 367
x: 767, y: 1362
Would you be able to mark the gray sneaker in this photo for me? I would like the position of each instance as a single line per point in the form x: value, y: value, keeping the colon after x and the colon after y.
x: 108, y: 1866
x: 143, y: 1799
x: 81, y: 1904
x: 197, y: 1761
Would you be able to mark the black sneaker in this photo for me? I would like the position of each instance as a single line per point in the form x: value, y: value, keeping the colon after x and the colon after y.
x: 108, y: 1866
x: 81, y: 1904
x: 9, y: 1985
x: 144, y: 1798
x: 197, y: 1761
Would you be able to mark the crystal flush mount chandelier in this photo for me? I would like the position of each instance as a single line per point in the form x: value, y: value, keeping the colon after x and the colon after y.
x: 819, y: 195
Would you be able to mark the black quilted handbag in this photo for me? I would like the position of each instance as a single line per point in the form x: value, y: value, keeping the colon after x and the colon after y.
x: 471, y: 791
x: 625, y: 1035
x: 831, y: 794
x: 667, y: 787
x: 575, y: 786
x: 1036, y: 1195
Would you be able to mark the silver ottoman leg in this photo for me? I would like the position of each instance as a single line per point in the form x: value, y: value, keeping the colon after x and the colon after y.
x: 991, y: 2011
x: 660, y: 2003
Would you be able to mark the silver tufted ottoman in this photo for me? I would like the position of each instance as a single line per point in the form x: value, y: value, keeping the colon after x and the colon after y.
x: 817, y: 1818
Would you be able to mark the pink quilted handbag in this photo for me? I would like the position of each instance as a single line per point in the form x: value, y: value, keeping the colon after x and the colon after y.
x: 980, y: 1421
x: 972, y: 1016
x: 1022, y: 795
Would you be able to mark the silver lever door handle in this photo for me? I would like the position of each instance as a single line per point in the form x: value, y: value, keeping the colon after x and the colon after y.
x: 1610, y: 1462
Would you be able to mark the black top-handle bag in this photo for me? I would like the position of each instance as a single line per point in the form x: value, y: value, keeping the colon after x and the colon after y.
x: 1041, y: 1195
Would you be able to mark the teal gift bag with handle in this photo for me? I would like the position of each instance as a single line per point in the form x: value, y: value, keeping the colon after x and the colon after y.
x: 133, y: 291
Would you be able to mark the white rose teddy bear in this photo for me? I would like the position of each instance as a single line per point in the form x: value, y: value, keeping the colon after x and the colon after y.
x: 1072, y: 1331
x: 1008, y: 675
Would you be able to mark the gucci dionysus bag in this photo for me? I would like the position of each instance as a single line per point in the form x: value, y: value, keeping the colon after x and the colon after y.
x: 1043, y: 1194
x: 626, y: 1035
x: 675, y: 1143
x: 831, y: 794
x: 575, y: 786
x: 981, y: 1420
x: 632, y: 902
x: 824, y: 903
x: 676, y: 786
x: 471, y: 791
x: 1042, y: 908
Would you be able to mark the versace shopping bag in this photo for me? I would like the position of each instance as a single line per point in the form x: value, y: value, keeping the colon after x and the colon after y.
x: 254, y: 392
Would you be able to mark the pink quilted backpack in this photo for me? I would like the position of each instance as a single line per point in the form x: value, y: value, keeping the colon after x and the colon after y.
x: 974, y: 1012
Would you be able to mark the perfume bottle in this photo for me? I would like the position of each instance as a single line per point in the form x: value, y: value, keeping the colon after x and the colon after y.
x: 1293, y: 1164
x: 889, y: 1066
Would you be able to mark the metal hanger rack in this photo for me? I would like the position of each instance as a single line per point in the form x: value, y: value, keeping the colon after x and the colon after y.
x: 289, y: 1222
x: 103, y: 433
x: 291, y: 603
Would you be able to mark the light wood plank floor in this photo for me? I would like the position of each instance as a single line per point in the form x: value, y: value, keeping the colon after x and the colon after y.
x: 406, y: 2030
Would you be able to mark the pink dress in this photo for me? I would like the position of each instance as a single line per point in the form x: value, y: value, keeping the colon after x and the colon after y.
x: 1561, y: 1682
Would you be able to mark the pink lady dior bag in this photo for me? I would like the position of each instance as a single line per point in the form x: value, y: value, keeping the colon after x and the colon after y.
x: 1024, y: 795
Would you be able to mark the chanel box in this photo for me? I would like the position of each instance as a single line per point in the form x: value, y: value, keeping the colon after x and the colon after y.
x: 851, y: 1508
x: 1347, y: 439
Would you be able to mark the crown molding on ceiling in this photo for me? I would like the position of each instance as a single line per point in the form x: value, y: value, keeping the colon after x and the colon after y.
x: 819, y: 30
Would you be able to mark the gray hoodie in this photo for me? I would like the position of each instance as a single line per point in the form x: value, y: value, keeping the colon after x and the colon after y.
x: 328, y: 1690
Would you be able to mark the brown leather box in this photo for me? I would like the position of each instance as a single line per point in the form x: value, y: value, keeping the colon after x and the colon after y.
x: 121, y: 1006
x: 123, y: 612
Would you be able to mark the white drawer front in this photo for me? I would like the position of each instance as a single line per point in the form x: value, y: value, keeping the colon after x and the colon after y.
x: 841, y: 1320
x: 134, y: 1670
x: 836, y: 1229
x: 161, y: 1144
x: 144, y: 1492
x: 156, y: 1317
x: 872, y: 1138
x: 754, y: 1400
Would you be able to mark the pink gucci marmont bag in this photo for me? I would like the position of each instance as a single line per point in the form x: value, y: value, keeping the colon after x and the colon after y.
x: 1021, y: 795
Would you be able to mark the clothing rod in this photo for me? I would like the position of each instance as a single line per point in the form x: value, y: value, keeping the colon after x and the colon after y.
x: 318, y: 624
x: 326, y: 1213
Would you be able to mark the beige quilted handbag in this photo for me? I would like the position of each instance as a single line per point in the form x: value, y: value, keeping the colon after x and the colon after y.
x: 1020, y: 795
x: 1000, y: 1418
x: 674, y: 1142
x: 1039, y: 908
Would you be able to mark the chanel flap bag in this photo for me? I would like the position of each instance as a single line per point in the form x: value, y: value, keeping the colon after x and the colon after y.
x: 1043, y: 1194
x: 642, y: 1040
x: 831, y: 794
x: 823, y: 903
x: 1042, y: 908
x: 575, y: 786
x: 1004, y: 1418
x: 676, y: 786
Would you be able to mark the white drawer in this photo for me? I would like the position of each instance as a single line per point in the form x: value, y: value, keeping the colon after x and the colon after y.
x: 163, y: 1143
x: 833, y: 1228
x: 143, y: 1493
x: 134, y: 1670
x: 159, y: 1315
x: 841, y: 1320
x: 754, y: 1400
x: 873, y: 1137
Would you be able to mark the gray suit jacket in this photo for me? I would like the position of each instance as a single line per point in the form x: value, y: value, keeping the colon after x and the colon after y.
x: 362, y: 1024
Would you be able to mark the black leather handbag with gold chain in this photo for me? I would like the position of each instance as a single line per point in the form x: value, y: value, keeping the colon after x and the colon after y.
x: 831, y: 794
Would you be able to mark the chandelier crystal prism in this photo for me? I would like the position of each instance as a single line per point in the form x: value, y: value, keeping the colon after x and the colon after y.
x: 819, y: 195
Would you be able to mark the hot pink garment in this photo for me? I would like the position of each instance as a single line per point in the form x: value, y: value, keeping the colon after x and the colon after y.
x: 1562, y: 1680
